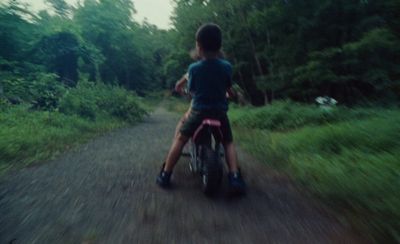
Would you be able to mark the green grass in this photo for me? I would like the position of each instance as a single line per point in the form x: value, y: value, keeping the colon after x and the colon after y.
x: 350, y: 161
x: 32, y: 136
x: 287, y: 115
x: 29, y: 135
x: 178, y: 105
x: 348, y: 158
x: 152, y: 100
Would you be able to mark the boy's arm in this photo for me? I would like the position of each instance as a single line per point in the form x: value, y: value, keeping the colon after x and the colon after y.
x: 230, y: 92
x: 181, y: 83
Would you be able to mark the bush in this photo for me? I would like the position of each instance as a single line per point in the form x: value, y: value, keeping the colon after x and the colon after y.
x: 90, y: 100
x: 4, y: 104
x: 42, y: 90
x: 352, y: 164
x: 123, y: 106
x: 80, y: 101
x: 178, y: 105
x: 30, y: 136
x: 46, y: 91
x: 16, y: 90
x: 281, y: 116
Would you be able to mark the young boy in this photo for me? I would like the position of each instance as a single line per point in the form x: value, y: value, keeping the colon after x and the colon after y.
x: 209, y: 80
x: 180, y: 84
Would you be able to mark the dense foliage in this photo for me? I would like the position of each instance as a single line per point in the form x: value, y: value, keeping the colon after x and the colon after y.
x: 349, y: 50
x: 33, y: 136
x: 89, y: 100
x: 70, y: 74
x: 285, y: 116
x: 97, y: 40
x: 29, y: 134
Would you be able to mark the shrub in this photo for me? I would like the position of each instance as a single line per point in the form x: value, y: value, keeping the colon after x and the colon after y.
x: 42, y: 90
x: 281, y: 116
x: 91, y: 100
x: 46, y: 91
x: 4, y: 104
x: 353, y: 164
x: 123, y: 106
x: 16, y: 89
x: 178, y: 105
x: 30, y: 136
x: 80, y: 101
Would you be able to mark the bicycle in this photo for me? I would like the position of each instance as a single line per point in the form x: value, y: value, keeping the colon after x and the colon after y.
x: 206, y: 155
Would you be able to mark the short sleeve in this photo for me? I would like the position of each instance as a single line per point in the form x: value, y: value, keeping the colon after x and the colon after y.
x: 229, y: 75
x: 190, y: 79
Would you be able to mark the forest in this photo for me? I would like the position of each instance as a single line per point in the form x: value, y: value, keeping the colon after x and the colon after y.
x: 280, y: 49
x: 71, y: 72
x: 302, y: 49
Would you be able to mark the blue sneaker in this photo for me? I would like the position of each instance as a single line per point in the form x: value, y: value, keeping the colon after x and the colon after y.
x: 164, y: 178
x: 236, y: 183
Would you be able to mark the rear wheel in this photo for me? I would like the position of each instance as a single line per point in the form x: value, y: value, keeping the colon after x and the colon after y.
x: 211, y: 171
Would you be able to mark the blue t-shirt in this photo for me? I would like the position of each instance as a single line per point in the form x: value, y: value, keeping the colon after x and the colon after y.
x: 208, y: 82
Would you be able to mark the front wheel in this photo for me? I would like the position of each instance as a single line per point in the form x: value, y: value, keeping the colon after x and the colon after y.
x: 211, y: 171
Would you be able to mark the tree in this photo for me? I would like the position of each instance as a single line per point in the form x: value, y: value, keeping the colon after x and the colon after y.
x: 60, y: 53
x: 299, y: 49
x: 60, y: 7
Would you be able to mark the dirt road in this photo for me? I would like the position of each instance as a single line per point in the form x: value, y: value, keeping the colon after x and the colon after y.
x: 105, y: 192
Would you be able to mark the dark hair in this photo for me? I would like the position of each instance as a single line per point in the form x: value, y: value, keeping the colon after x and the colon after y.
x: 209, y: 37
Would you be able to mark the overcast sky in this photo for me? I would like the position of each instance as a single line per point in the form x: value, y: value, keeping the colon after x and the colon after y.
x: 157, y: 12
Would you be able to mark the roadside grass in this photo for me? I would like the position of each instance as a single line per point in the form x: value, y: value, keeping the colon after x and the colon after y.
x: 288, y: 115
x: 177, y: 105
x: 29, y: 135
x: 151, y: 100
x: 32, y: 136
x: 348, y: 158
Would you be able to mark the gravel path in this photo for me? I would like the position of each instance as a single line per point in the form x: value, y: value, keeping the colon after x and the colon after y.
x: 105, y: 192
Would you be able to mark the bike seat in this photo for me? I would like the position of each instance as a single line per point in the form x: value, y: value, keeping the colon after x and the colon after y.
x: 212, y: 122
x: 215, y: 129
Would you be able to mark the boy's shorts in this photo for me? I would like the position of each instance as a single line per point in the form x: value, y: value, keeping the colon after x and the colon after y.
x: 196, y: 118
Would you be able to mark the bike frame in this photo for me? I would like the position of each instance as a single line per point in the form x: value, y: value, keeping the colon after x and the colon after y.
x: 204, y: 137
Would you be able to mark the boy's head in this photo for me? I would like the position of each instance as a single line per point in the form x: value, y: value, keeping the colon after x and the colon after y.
x: 209, y: 38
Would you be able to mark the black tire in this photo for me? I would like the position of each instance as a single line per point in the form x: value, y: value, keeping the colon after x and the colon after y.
x: 211, y: 171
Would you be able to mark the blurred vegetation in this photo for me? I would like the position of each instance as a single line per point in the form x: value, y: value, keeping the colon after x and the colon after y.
x: 71, y: 72
x: 347, y: 157
x: 90, y: 100
x: 32, y: 136
x: 29, y: 134
x: 153, y: 100
x: 176, y: 104
x: 348, y: 50
x: 286, y: 115
x: 96, y: 40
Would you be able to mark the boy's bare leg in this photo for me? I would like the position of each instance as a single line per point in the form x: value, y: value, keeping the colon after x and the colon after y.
x: 175, y: 152
x: 180, y: 123
x: 231, y: 157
